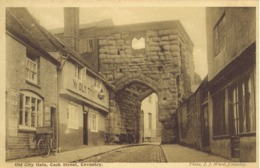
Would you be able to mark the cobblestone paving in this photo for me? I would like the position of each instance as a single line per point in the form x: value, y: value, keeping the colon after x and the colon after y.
x: 178, y: 153
x: 140, y: 153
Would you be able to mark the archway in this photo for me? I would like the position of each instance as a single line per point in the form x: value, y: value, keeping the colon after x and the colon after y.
x: 150, y: 125
x: 165, y: 59
x: 124, y: 119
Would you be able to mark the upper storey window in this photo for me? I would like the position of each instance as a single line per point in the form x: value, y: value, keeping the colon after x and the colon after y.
x: 79, y: 71
x: 86, y: 45
x: 219, y: 36
x: 32, y: 69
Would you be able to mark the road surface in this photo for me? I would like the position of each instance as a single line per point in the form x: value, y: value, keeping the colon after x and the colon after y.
x: 140, y: 153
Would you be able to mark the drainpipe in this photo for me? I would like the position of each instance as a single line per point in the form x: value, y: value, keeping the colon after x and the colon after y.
x: 59, y: 70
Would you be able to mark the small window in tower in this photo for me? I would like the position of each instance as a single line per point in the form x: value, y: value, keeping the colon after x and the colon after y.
x: 138, y: 43
x: 86, y: 45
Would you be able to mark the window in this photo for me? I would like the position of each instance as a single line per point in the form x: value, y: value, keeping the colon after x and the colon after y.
x: 220, y: 115
x: 138, y: 43
x: 94, y: 122
x: 32, y: 69
x: 86, y: 45
x: 150, y: 120
x: 78, y: 72
x: 31, y: 110
x: 241, y: 103
x: 219, y: 36
x: 72, y: 116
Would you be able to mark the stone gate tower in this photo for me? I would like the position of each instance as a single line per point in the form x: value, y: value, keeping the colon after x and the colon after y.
x: 162, y: 63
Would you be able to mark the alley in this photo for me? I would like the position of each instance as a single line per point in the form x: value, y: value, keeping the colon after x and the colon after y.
x: 101, y: 91
x: 144, y: 153
x: 141, y: 153
x: 155, y: 153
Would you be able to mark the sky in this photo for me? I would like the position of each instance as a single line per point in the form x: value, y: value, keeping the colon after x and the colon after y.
x: 193, y: 20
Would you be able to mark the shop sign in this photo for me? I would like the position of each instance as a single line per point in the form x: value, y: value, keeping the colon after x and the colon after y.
x: 78, y: 85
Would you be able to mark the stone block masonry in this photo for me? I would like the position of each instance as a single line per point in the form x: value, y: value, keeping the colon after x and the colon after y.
x: 165, y: 65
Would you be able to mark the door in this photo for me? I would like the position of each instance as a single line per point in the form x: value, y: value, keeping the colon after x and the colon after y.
x: 54, y: 126
x: 205, y: 126
x: 85, y: 128
x: 235, y: 107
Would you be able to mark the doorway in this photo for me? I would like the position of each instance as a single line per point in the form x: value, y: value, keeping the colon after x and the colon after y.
x: 205, y: 127
x: 85, y: 128
x: 54, y: 126
x: 235, y: 109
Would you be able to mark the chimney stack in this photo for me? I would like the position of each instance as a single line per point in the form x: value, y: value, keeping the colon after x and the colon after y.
x: 71, y: 27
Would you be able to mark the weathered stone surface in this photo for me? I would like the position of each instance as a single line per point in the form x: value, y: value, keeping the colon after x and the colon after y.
x: 153, y: 53
x: 175, y: 48
x: 157, y: 68
x: 128, y: 42
x: 162, y: 43
x: 103, y: 50
x: 113, y: 51
x: 118, y: 75
x: 155, y: 39
x: 166, y: 47
x: 174, y: 37
x: 120, y: 42
x: 153, y: 43
x: 165, y: 38
x: 102, y: 42
x: 124, y: 36
x: 155, y: 48
x: 117, y: 36
x: 111, y: 42
x: 167, y: 32
x: 102, y: 56
x: 128, y: 51
x: 151, y: 33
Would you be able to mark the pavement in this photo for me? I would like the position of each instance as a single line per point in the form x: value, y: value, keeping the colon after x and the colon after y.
x: 172, y: 153
x: 73, y: 155
x: 178, y: 153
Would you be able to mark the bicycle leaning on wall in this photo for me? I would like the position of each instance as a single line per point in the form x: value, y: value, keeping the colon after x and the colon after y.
x: 45, y: 141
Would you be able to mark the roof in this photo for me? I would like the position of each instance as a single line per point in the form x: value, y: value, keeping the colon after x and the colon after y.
x: 22, y: 24
x: 101, y: 23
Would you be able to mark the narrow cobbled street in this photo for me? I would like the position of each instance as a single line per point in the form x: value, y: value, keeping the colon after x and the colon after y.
x: 144, y: 154
x: 155, y: 153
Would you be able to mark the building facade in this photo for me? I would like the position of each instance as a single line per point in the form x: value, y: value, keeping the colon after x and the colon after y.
x: 49, y: 84
x: 151, y: 124
x: 231, y: 39
x: 137, y: 60
x: 193, y: 122
x: 31, y: 83
x: 83, y: 94
x: 220, y: 117
x: 84, y: 104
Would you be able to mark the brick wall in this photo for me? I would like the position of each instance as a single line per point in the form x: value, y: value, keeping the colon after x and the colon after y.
x: 21, y: 144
